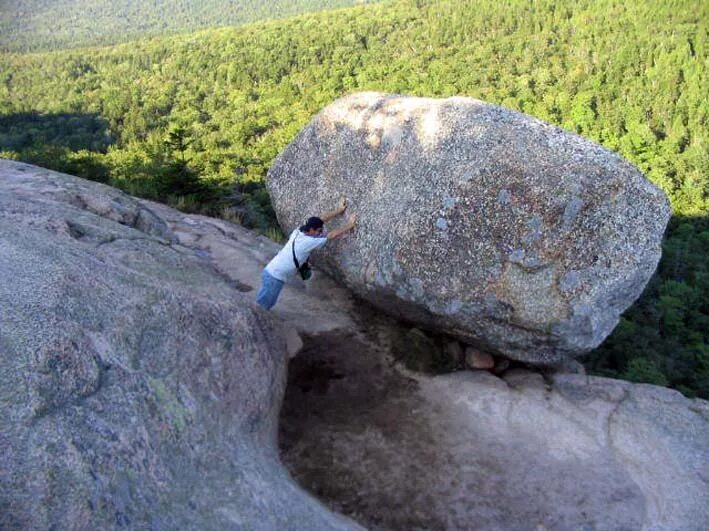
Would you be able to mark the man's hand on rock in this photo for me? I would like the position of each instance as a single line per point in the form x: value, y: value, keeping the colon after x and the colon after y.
x: 341, y: 205
x: 351, y: 220
x: 339, y: 209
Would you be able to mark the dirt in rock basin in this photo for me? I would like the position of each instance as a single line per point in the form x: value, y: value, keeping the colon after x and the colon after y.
x: 351, y: 433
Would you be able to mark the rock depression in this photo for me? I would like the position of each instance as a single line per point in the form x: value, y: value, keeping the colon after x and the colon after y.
x: 513, y: 235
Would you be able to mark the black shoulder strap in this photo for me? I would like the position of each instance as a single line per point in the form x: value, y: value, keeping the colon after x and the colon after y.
x: 295, y: 260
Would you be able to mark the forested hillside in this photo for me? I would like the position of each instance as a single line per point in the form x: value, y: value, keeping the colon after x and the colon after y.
x: 33, y: 25
x: 196, y: 120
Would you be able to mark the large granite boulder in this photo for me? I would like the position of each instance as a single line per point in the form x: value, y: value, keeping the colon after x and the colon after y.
x: 140, y: 388
x: 511, y: 234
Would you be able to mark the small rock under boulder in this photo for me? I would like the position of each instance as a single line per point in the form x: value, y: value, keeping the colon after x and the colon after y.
x: 513, y: 235
x: 476, y: 359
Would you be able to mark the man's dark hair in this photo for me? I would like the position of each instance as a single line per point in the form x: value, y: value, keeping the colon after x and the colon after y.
x: 312, y: 223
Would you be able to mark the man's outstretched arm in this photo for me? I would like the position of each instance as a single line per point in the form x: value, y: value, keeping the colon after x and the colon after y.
x: 336, y: 233
x: 341, y: 206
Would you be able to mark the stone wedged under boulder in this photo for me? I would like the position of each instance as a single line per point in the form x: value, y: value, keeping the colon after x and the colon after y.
x: 517, y: 237
x: 140, y: 388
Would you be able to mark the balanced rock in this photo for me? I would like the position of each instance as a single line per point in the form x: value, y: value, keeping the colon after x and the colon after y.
x: 140, y: 388
x: 511, y: 234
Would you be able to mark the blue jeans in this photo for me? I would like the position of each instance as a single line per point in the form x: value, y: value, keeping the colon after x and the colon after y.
x: 270, y: 289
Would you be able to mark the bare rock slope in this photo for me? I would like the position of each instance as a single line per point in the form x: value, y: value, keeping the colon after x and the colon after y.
x: 511, y: 234
x: 139, y: 387
x: 142, y: 389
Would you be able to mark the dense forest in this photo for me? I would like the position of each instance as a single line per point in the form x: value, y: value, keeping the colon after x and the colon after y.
x: 196, y: 120
x: 34, y: 25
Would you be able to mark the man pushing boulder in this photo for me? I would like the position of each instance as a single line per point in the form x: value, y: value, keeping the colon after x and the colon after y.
x: 293, y: 257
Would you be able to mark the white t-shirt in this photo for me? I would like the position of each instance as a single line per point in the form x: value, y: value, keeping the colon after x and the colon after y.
x: 282, y: 265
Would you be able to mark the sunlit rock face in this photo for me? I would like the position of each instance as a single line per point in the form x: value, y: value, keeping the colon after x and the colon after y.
x: 511, y: 234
